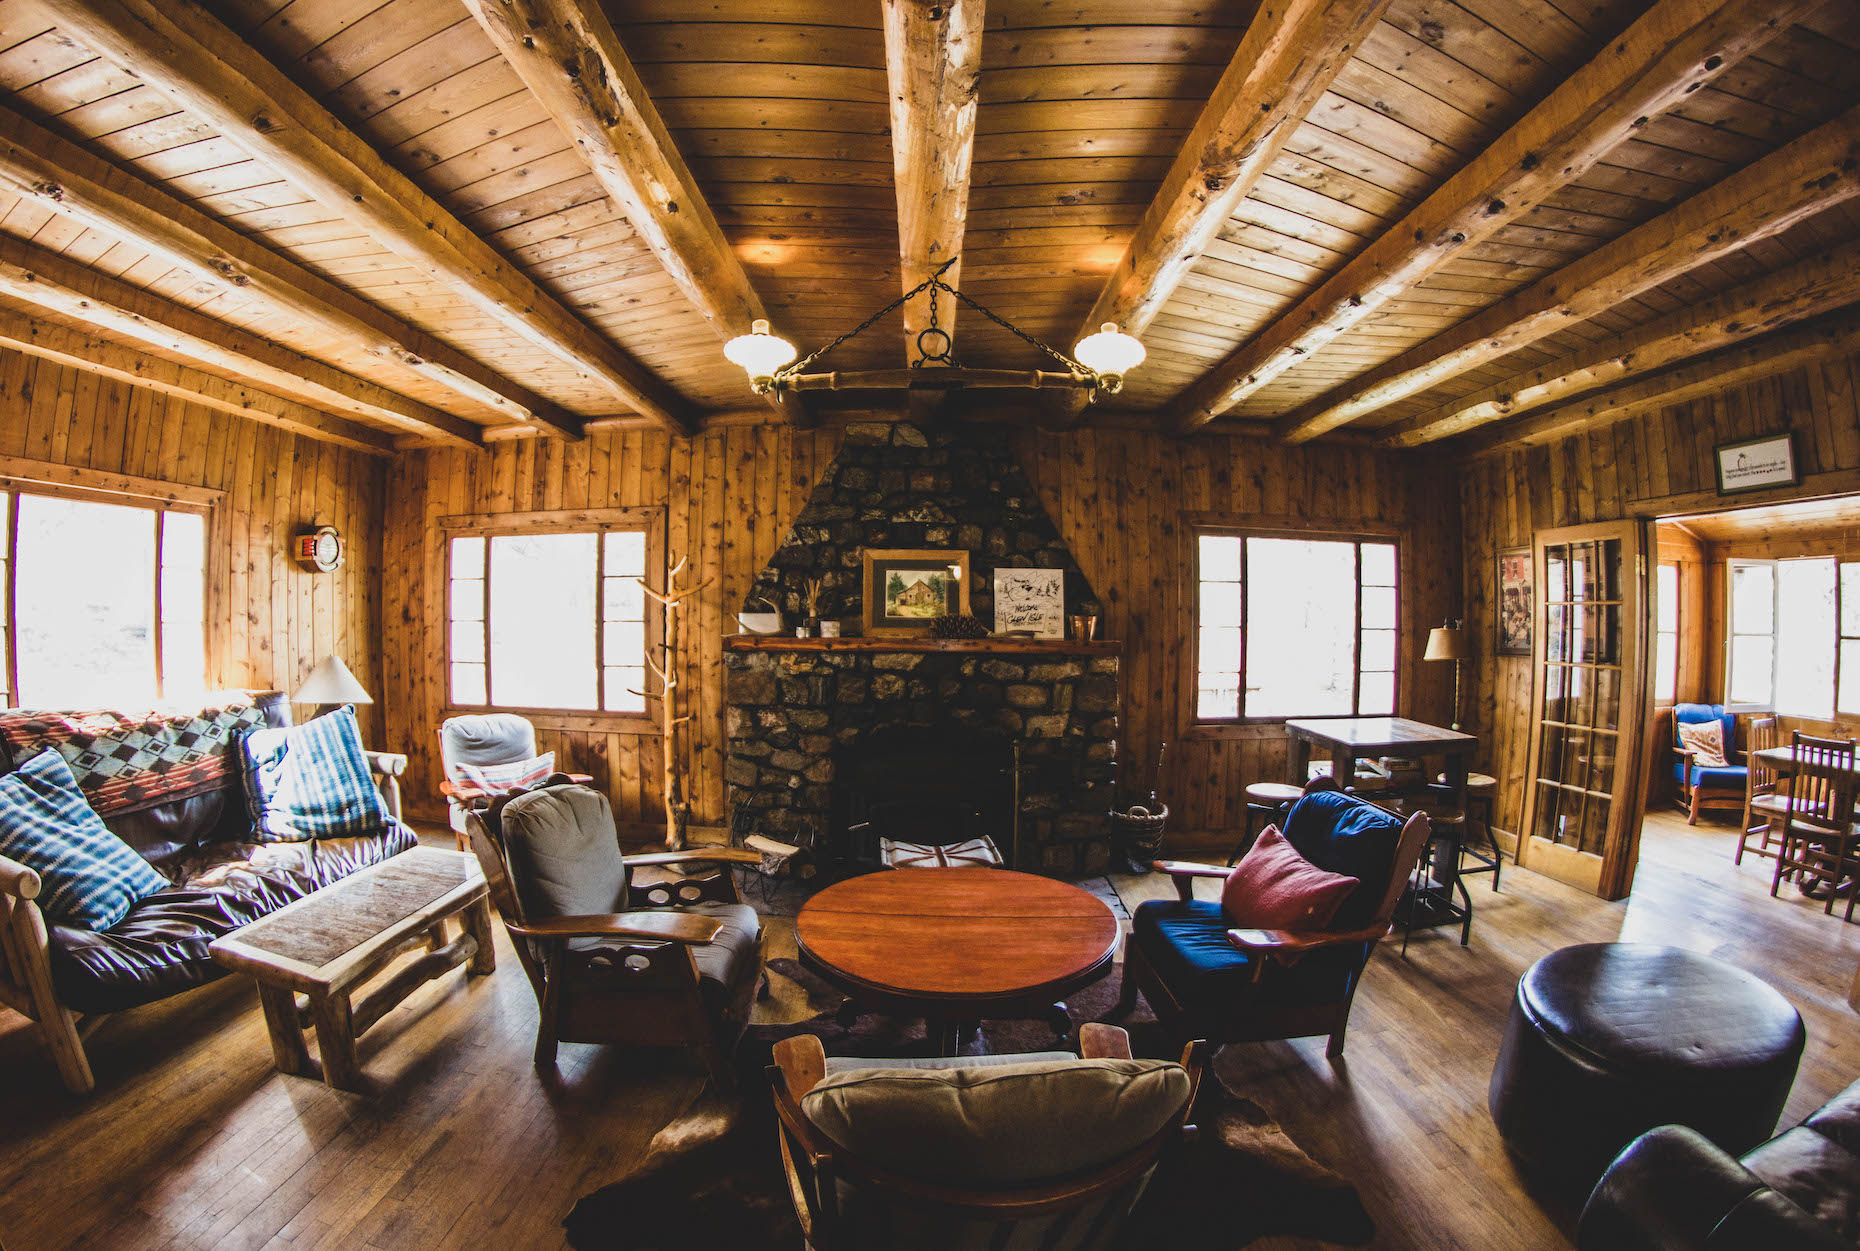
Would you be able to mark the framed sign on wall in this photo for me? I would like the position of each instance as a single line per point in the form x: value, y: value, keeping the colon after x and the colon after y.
x: 1756, y: 464
x: 1031, y: 601
x: 906, y: 589
x: 1515, y: 601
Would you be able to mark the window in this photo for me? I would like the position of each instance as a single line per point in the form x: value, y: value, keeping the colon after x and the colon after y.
x: 1666, y: 631
x: 1294, y: 627
x: 107, y: 601
x: 1795, y: 636
x: 548, y: 619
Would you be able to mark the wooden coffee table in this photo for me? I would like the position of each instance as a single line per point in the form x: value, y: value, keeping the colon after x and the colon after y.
x: 326, y: 945
x: 955, y: 945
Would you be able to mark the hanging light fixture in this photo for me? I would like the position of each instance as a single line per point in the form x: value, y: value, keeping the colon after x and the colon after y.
x: 760, y: 354
x: 1099, y: 367
x: 1110, y: 354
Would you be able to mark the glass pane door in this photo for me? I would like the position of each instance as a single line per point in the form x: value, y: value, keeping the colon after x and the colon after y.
x: 1583, y: 806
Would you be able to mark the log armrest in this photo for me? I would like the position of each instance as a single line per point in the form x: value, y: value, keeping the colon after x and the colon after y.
x: 1286, y: 946
x: 387, y: 763
x: 1185, y: 872
x: 699, y: 854
x: 671, y: 927
x: 17, y: 880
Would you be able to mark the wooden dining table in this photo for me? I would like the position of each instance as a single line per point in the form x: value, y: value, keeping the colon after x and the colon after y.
x: 1787, y: 764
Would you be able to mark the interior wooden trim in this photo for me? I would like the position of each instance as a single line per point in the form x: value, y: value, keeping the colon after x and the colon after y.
x: 50, y: 478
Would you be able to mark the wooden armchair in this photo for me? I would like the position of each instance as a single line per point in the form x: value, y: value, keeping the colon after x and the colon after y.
x: 848, y: 1201
x: 1700, y: 788
x: 482, y: 740
x: 662, y: 964
x: 1206, y: 979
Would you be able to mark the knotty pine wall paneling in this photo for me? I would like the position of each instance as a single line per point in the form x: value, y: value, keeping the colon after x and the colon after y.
x: 269, y: 621
x: 1653, y: 464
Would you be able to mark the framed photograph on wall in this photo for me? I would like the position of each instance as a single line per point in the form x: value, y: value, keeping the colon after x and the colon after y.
x: 1515, y: 603
x: 906, y: 589
x: 1031, y: 601
x: 1756, y: 464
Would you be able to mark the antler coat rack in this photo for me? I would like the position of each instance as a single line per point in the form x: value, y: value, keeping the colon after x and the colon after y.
x: 665, y: 670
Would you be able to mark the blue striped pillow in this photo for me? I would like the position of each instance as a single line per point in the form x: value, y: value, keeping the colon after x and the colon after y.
x: 91, y: 878
x: 311, y: 781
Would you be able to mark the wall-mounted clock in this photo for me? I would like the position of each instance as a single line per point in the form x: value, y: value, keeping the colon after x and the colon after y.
x: 319, y: 550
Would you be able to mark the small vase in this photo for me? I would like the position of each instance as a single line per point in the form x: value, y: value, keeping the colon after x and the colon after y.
x: 804, y: 632
x: 829, y: 629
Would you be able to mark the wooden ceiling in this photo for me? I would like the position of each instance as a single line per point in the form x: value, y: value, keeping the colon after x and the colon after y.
x: 1804, y: 519
x: 394, y: 221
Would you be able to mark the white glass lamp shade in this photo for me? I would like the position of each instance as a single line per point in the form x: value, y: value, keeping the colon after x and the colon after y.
x: 331, y: 683
x: 1110, y: 353
x: 759, y: 353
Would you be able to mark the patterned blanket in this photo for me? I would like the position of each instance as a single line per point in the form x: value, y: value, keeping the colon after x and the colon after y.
x: 126, y: 761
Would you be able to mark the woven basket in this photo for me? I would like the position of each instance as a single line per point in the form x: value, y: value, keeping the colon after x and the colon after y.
x: 1137, y: 834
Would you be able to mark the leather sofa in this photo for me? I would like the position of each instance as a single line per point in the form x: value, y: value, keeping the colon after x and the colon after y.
x: 58, y: 975
x: 1673, y: 1190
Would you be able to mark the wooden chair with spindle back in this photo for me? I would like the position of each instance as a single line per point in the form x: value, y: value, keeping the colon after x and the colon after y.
x: 1817, y: 834
x: 1764, y: 805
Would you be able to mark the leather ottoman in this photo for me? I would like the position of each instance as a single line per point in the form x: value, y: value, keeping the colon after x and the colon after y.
x: 1608, y: 1040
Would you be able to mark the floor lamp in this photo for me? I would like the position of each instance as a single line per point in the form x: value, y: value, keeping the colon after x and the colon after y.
x: 331, y: 683
x: 1448, y: 642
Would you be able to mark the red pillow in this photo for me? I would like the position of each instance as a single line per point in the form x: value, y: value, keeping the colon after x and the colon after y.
x: 1275, y: 888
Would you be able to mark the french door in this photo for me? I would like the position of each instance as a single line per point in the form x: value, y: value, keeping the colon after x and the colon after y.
x: 1584, y: 800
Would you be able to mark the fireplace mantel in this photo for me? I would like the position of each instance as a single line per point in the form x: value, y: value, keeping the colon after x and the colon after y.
x: 907, y: 643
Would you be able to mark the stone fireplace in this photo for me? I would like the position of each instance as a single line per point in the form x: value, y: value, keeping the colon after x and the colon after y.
x: 800, y: 709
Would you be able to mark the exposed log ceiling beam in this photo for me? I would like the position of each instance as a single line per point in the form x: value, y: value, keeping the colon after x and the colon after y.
x: 64, y: 178
x: 184, y: 52
x: 933, y: 55
x: 1779, y: 353
x: 568, y: 55
x: 32, y: 275
x: 1285, y: 63
x: 1673, y: 49
x: 137, y: 368
x: 1806, y: 289
x: 1818, y: 170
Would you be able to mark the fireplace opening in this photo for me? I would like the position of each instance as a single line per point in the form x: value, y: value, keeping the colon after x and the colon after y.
x: 921, y: 785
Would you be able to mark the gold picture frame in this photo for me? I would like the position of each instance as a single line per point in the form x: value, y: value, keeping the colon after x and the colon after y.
x: 907, y: 588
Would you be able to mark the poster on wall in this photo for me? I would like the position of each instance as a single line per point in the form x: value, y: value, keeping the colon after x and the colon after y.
x: 1753, y: 464
x: 1514, y: 601
x: 1031, y: 601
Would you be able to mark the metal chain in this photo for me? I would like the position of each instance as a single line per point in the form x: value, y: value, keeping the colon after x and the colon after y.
x: 1012, y: 329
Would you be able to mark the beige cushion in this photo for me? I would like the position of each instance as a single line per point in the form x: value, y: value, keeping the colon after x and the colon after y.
x: 1001, y: 1126
x: 565, y: 852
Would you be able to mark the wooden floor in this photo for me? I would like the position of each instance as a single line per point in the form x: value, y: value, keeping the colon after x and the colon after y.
x: 192, y: 1141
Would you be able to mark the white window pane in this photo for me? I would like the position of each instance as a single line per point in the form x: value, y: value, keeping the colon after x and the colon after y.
x: 1850, y: 600
x: 468, y: 641
x: 622, y: 600
x: 1378, y: 697
x: 468, y: 558
x: 542, y: 621
x: 1666, y: 592
x: 183, y: 660
x: 1220, y: 603
x: 183, y: 589
x: 86, y: 603
x: 622, y: 683
x: 1378, y: 651
x: 1378, y: 608
x: 1666, y: 668
x: 1753, y: 599
x: 1220, y: 558
x: 1750, y: 669
x: 626, y: 553
x: 183, y: 538
x: 1220, y: 650
x: 468, y: 684
x: 624, y: 642
x: 1805, y: 637
x: 1378, y: 564
x: 1850, y: 676
x: 1301, y: 609
x: 467, y: 602
x: 1218, y: 697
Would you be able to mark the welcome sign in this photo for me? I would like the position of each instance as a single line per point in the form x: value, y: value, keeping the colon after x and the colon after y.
x: 1756, y: 464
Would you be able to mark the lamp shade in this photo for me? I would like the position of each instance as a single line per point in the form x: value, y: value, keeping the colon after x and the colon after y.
x: 759, y: 353
x: 1447, y: 642
x: 331, y: 683
x: 1110, y: 352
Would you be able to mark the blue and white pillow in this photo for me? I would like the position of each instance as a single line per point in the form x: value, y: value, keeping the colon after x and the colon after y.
x: 311, y: 781
x: 88, y: 876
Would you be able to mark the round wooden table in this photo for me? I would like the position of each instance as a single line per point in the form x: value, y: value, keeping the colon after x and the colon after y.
x: 957, y: 945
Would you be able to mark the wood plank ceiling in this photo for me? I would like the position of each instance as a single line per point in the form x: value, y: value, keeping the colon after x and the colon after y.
x: 1417, y: 218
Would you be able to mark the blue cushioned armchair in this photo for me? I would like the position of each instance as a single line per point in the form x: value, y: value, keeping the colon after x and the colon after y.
x: 1700, y: 787
x: 1206, y: 979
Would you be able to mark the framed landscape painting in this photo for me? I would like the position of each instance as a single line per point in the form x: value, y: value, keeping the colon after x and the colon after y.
x: 906, y: 589
x: 1515, y: 602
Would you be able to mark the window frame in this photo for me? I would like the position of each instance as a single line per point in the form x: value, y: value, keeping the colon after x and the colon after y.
x: 597, y: 521
x: 1196, y: 525
x: 1678, y: 631
x: 1774, y: 563
x: 1731, y: 565
x: 52, y: 480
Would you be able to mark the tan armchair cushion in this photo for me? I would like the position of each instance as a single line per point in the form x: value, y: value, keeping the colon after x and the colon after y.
x: 564, y: 852
x: 998, y: 1126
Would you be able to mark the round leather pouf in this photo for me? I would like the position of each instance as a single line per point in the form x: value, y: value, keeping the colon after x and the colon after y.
x: 1609, y: 1040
